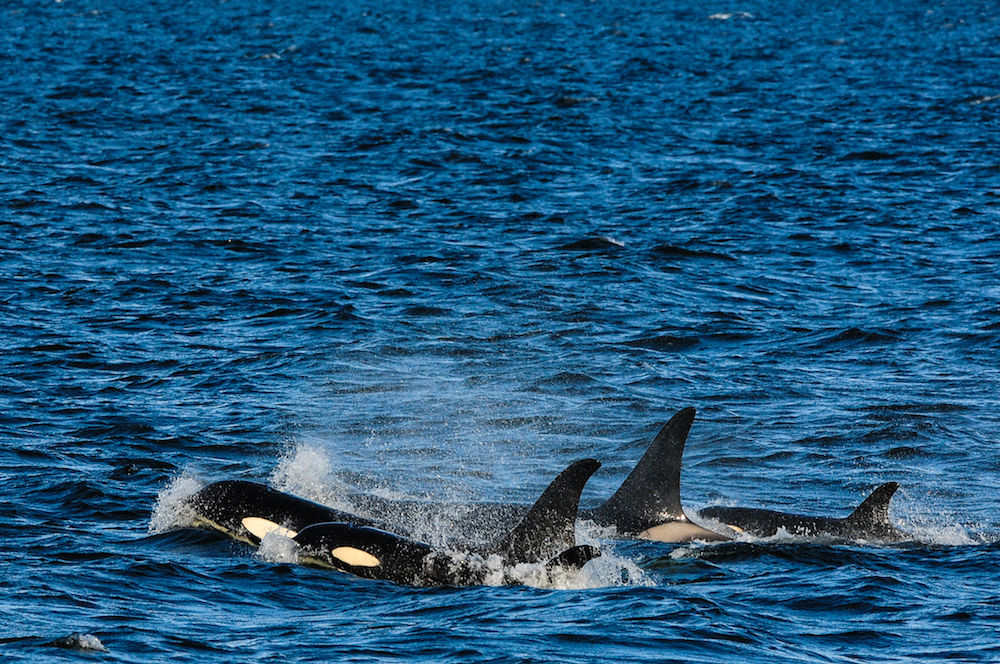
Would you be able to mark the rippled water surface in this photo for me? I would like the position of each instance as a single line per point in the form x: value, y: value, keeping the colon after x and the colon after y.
x: 442, y: 250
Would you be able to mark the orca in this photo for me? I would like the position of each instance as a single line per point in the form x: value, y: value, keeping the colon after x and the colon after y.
x: 249, y: 512
x: 376, y: 554
x: 647, y: 505
x: 868, y: 522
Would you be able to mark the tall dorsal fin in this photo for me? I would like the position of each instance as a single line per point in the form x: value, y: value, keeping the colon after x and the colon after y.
x: 549, y: 527
x: 651, y: 494
x: 874, y: 511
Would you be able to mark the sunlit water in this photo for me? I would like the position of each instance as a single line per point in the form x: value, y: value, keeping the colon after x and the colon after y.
x: 441, y: 252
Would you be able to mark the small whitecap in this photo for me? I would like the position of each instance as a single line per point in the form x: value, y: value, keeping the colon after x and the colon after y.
x: 78, y: 641
x: 984, y: 99
x: 726, y: 16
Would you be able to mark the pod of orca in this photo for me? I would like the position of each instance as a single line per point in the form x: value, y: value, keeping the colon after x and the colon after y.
x: 647, y: 505
x: 249, y: 512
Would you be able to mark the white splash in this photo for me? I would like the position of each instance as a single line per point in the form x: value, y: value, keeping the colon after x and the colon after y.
x: 607, y: 570
x: 277, y: 548
x: 81, y: 642
x: 694, y: 549
x: 921, y: 516
x: 171, y: 509
x: 940, y: 531
x: 610, y: 569
x: 306, y: 471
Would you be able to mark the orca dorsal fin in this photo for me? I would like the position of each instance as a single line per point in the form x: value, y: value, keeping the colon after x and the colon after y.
x: 651, y: 493
x: 573, y: 558
x: 549, y: 527
x: 874, y: 511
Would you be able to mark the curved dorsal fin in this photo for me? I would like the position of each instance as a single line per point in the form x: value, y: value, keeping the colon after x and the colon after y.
x: 652, y: 491
x: 549, y: 527
x: 573, y: 558
x: 874, y: 511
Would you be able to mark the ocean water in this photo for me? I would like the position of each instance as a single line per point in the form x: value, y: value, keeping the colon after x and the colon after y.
x: 442, y: 250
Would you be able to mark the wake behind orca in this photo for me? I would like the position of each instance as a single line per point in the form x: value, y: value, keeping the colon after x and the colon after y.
x: 249, y: 512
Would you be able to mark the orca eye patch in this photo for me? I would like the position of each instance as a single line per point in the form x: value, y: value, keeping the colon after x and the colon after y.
x: 261, y: 528
x: 354, y: 557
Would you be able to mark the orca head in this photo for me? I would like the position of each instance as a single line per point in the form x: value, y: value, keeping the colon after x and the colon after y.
x: 224, y: 506
x: 363, y: 551
x: 248, y: 510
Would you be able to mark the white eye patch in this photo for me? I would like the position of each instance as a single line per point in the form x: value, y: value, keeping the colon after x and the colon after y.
x: 355, y: 557
x: 261, y: 528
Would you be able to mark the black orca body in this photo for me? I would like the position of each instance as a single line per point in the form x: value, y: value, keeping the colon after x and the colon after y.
x: 377, y: 554
x: 869, y: 521
x: 647, y: 505
x: 248, y: 511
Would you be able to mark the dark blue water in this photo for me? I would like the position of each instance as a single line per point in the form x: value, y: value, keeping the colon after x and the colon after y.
x: 443, y: 250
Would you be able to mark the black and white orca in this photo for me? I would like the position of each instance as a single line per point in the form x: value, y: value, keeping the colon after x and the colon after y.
x: 868, y: 522
x: 377, y: 554
x: 248, y: 511
x: 647, y: 505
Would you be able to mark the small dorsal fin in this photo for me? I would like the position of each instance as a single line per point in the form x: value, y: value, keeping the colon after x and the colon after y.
x: 573, y: 558
x: 874, y: 511
x: 652, y: 491
x: 549, y: 527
